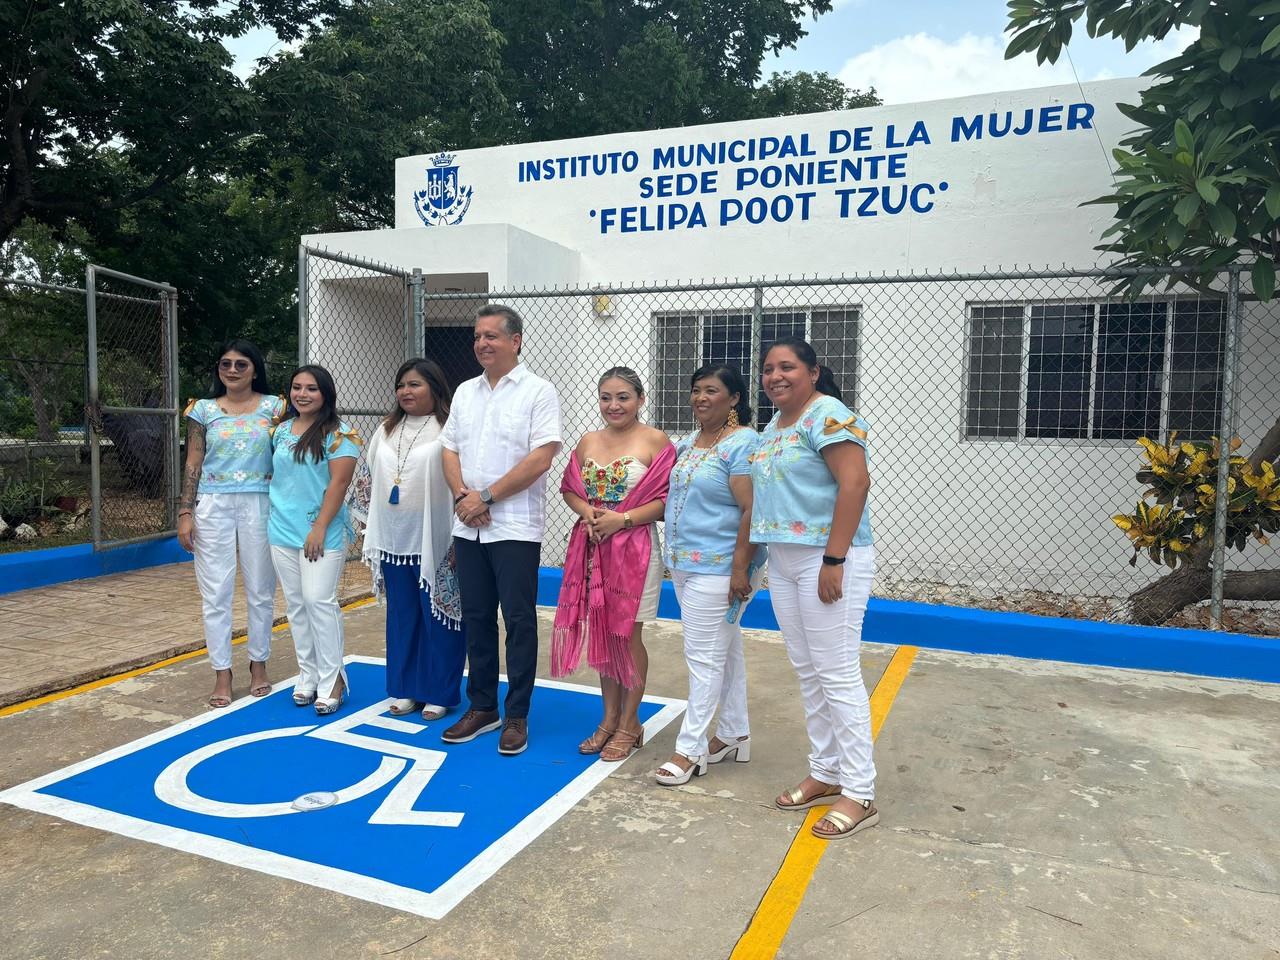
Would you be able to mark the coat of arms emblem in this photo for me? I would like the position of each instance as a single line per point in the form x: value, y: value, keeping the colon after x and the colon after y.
x: 444, y: 201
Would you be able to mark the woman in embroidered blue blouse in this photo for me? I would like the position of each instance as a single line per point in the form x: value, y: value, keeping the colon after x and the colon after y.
x: 313, y: 460
x: 811, y: 481
x: 708, y: 550
x: 222, y: 512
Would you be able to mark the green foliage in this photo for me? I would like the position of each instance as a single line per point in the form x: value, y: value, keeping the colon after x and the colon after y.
x: 1198, y: 185
x: 1173, y: 522
x: 784, y: 94
x: 27, y: 496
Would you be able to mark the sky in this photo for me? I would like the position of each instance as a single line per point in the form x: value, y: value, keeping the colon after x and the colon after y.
x: 911, y: 50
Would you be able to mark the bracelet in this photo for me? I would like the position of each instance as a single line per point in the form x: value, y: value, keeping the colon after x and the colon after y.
x: 459, y: 498
x: 626, y: 521
x: 832, y: 561
x: 184, y: 513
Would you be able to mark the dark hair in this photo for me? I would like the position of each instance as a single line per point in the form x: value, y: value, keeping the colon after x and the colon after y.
x: 800, y: 347
x: 511, y: 321
x: 260, y: 382
x: 626, y: 375
x: 430, y: 371
x: 732, y: 381
x: 326, y: 422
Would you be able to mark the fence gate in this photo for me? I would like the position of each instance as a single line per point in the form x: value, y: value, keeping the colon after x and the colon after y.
x: 131, y: 410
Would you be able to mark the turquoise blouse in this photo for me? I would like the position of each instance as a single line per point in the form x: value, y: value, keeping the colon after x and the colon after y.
x: 297, y: 489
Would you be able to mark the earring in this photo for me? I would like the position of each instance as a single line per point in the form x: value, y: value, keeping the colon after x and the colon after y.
x: 732, y: 422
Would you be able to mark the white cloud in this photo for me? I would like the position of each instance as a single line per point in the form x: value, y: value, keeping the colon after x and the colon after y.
x: 920, y: 66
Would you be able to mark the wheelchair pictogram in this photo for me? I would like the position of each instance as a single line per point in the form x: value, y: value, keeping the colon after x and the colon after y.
x: 172, y: 786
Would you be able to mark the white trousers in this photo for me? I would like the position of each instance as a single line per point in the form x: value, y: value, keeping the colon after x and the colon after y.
x: 824, y: 642
x: 717, y: 670
x: 226, y: 524
x: 315, y: 618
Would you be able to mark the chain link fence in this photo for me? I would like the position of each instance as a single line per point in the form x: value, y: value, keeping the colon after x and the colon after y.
x: 1005, y: 408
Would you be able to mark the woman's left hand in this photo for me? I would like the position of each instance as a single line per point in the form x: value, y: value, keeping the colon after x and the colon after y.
x: 605, y: 524
x: 313, y: 546
x: 830, y: 583
x: 739, y: 586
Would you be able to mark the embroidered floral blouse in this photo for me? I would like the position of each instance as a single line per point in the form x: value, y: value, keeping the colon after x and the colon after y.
x: 702, y: 515
x: 237, y: 446
x: 794, y: 494
x: 297, y: 489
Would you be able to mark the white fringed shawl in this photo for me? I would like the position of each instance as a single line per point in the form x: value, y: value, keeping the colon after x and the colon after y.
x: 422, y: 482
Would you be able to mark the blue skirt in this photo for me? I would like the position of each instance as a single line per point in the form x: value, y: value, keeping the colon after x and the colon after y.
x: 425, y: 657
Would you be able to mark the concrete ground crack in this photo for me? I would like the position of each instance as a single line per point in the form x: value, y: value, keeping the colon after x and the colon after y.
x: 1104, y: 864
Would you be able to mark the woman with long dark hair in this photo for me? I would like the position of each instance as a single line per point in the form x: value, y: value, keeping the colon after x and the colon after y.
x: 402, y: 498
x: 709, y: 552
x: 314, y: 457
x: 811, y: 482
x: 222, y: 512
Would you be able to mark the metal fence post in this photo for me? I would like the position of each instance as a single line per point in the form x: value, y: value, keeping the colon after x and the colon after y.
x: 1227, y: 429
x: 417, y: 333
x: 173, y: 448
x: 756, y: 346
x: 302, y: 304
x: 91, y: 405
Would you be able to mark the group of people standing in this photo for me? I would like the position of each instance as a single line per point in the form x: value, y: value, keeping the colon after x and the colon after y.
x: 451, y: 493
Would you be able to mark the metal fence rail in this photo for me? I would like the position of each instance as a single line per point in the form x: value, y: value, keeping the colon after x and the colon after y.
x: 1005, y: 407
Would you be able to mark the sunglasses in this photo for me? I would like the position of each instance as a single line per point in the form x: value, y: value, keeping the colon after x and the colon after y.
x: 239, y: 366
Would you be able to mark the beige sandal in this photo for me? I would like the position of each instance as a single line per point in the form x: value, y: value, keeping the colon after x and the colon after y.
x: 796, y: 800
x: 845, y: 825
x: 621, y: 744
x: 595, y: 743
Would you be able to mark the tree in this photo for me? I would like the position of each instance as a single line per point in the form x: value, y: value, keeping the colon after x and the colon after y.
x: 785, y: 94
x: 109, y: 101
x: 1198, y: 189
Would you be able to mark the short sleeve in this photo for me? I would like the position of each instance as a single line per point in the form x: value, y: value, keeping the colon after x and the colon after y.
x: 277, y: 409
x: 344, y: 442
x: 830, y: 421
x: 740, y: 450
x: 449, y: 435
x: 198, y: 410
x: 544, y: 422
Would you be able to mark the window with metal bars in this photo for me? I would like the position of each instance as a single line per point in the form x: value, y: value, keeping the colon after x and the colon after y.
x: 686, y: 340
x: 1094, y: 370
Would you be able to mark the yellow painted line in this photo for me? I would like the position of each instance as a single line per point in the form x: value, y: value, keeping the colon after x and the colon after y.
x: 129, y: 674
x: 772, y: 919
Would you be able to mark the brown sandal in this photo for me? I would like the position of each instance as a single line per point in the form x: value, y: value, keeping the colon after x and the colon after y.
x: 621, y: 744
x: 595, y: 743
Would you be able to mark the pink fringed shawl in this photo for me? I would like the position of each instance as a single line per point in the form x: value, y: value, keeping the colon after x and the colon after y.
x: 604, y: 609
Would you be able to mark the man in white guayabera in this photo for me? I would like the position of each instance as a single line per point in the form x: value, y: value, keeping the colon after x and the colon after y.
x: 502, y: 434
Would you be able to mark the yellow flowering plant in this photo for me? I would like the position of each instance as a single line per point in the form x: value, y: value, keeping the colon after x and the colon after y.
x: 1173, y: 521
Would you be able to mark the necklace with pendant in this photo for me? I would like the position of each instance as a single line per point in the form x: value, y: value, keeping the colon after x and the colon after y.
x: 401, y: 462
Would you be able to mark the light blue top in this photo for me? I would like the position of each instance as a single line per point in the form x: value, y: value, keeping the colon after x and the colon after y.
x: 237, y: 446
x: 297, y: 489
x: 794, y: 494
x: 702, y: 517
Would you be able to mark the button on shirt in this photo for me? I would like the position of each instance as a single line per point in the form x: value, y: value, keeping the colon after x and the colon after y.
x: 491, y: 429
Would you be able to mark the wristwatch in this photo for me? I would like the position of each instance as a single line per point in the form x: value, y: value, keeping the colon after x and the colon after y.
x: 487, y: 496
x: 832, y: 561
x: 626, y: 521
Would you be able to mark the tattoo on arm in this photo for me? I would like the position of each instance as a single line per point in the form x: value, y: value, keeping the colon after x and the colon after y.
x: 195, y: 459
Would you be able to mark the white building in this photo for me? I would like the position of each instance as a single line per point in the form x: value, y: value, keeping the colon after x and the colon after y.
x: 1004, y: 410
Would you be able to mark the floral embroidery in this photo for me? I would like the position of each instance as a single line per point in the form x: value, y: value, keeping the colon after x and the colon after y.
x: 606, y: 483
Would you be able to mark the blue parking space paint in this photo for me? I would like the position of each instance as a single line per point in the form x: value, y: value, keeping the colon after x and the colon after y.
x: 417, y: 823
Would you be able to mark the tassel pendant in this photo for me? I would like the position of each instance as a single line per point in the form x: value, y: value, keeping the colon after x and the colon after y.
x: 395, y: 493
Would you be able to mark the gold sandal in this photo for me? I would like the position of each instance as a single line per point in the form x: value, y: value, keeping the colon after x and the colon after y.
x: 620, y: 745
x: 845, y: 825
x: 796, y: 800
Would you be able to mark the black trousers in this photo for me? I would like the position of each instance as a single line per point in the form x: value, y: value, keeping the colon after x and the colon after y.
x: 503, y: 573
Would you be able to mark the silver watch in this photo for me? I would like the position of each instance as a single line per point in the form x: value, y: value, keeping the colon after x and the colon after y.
x: 487, y: 496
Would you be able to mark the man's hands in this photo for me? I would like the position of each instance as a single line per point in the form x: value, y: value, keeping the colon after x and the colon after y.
x: 471, y: 510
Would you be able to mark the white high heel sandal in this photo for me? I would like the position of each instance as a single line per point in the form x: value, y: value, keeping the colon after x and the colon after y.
x: 741, y: 749
x: 328, y: 705
x: 671, y: 775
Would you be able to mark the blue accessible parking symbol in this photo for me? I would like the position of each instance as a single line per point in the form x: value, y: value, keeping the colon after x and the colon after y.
x: 367, y: 804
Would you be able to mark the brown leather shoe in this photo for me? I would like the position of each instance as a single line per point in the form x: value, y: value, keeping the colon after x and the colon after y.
x: 515, y: 737
x: 472, y: 724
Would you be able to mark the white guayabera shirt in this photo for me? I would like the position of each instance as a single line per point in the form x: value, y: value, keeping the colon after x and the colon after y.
x: 491, y: 429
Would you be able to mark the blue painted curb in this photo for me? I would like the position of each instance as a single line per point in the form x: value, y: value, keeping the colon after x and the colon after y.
x: 1173, y: 649
x: 40, y: 568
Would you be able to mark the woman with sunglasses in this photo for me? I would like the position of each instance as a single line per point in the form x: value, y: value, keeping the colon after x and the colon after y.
x: 223, y: 509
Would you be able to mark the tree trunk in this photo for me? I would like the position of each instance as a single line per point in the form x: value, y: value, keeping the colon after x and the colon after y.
x: 1156, y: 603
x: 42, y: 410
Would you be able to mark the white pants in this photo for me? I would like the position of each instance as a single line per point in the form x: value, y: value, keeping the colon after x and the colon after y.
x: 315, y: 618
x: 224, y: 524
x: 823, y: 642
x: 717, y: 670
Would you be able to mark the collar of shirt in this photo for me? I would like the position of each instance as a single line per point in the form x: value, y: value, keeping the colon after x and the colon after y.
x: 515, y: 375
